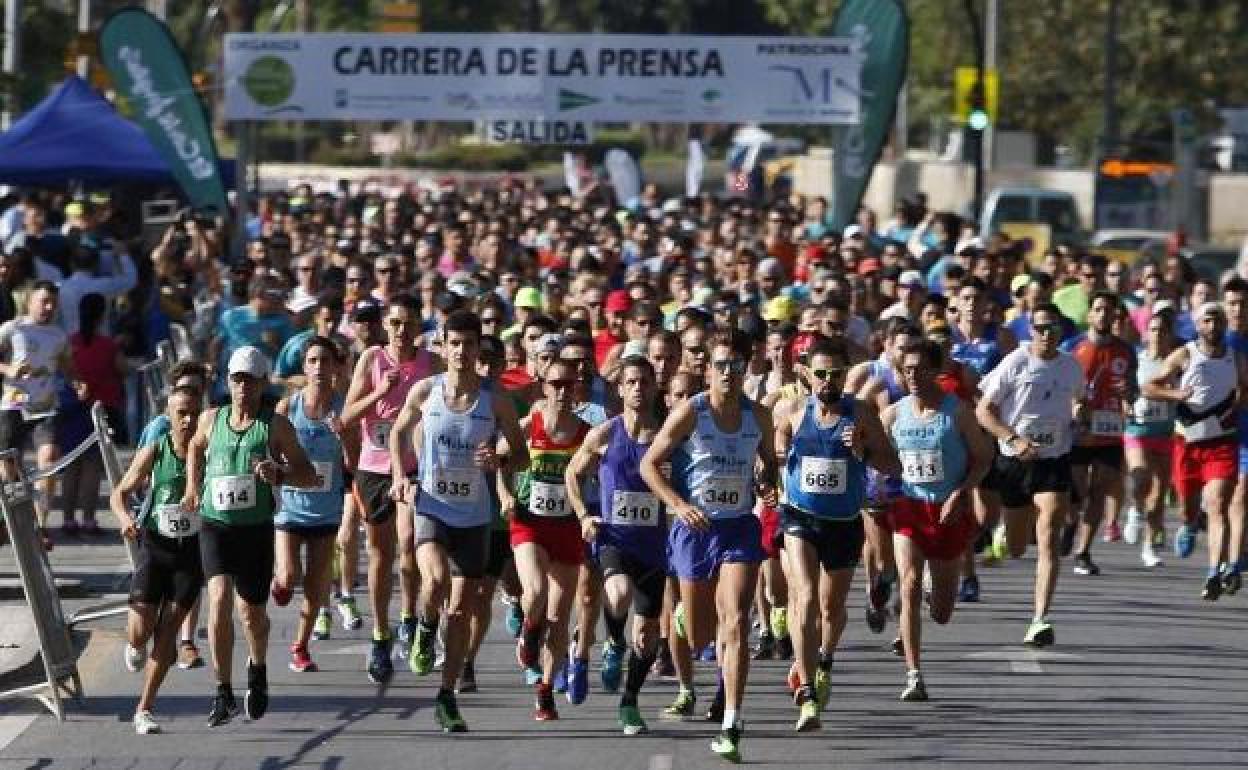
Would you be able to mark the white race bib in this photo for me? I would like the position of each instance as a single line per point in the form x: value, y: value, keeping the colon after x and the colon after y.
x: 234, y: 493
x: 1042, y: 432
x: 1107, y: 422
x: 824, y: 475
x: 725, y: 493
x: 1208, y: 428
x: 922, y: 466
x: 455, y: 485
x: 1147, y: 410
x: 547, y: 499
x: 634, y: 509
x: 379, y: 433
x: 172, y: 521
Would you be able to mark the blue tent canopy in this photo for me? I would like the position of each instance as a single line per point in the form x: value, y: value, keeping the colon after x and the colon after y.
x: 75, y: 134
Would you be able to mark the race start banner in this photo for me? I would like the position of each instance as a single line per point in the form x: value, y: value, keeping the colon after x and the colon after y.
x: 150, y: 74
x: 881, y: 31
x: 604, y: 78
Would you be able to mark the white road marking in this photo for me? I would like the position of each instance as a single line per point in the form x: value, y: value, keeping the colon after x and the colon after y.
x: 1023, y: 660
x: 351, y: 649
x: 661, y: 762
x: 12, y: 726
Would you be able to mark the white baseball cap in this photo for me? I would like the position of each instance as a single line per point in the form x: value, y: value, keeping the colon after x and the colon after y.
x: 249, y: 360
x: 912, y: 278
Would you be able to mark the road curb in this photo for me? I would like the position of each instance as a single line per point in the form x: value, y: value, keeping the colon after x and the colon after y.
x: 11, y: 589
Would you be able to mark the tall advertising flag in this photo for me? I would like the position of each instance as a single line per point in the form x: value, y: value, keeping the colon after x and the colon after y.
x: 881, y: 33
x: 150, y: 73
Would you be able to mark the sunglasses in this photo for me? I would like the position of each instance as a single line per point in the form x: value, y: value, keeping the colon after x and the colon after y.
x: 696, y: 350
x: 383, y: 270
x: 489, y: 319
x: 828, y: 374
x: 397, y: 322
x: 561, y: 384
x: 1087, y: 275
x: 1050, y: 328
x: 729, y: 366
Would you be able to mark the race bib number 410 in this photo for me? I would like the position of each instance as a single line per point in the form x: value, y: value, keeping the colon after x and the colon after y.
x: 634, y: 509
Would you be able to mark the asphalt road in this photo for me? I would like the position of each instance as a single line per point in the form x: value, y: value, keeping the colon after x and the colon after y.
x: 1144, y: 674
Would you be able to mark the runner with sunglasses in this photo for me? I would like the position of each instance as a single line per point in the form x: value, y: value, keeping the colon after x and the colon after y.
x: 714, y: 441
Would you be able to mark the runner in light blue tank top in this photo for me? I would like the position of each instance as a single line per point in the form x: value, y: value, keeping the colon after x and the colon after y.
x: 452, y: 486
x: 319, y: 506
x: 714, y: 470
x: 932, y: 452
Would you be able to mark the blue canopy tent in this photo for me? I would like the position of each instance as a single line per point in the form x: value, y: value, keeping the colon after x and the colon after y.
x: 76, y: 135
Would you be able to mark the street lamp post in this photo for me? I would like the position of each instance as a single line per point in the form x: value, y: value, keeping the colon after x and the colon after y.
x: 977, y: 120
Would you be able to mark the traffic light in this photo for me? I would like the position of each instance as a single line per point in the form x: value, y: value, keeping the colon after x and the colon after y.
x: 977, y: 119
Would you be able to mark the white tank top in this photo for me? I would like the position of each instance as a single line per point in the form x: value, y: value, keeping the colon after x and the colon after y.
x: 1212, y: 380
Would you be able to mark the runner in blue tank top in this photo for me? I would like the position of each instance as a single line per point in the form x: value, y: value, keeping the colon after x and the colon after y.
x: 628, y: 532
x: 454, y: 422
x: 827, y: 439
x: 309, y: 518
x: 714, y: 441
x: 944, y: 455
x: 976, y: 343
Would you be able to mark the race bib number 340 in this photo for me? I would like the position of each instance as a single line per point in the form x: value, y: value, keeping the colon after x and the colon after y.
x: 725, y: 493
x: 824, y: 475
x: 634, y: 509
x: 234, y: 493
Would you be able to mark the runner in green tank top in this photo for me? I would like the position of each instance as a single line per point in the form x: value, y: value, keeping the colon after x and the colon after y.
x: 168, y: 574
x: 239, y: 453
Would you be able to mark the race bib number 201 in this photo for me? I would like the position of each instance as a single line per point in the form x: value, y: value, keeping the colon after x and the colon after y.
x: 547, y: 499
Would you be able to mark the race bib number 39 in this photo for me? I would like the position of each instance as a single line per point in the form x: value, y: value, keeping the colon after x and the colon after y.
x: 172, y: 521
x: 634, y: 509
x: 455, y: 485
x: 234, y: 493
x: 824, y: 475
x: 922, y: 466
x: 548, y: 499
x: 725, y: 493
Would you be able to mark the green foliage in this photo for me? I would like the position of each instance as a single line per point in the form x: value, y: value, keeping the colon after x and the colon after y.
x: 472, y: 157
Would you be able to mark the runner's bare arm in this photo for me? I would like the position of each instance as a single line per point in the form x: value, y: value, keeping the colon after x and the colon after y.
x: 770, y: 477
x: 405, y: 424
x: 136, y: 478
x: 784, y: 431
x: 583, y: 463
x: 880, y: 453
x: 858, y: 377
x: 1159, y: 386
x: 987, y: 415
x: 509, y: 427
x: 361, y: 395
x: 283, y: 443
x: 675, y: 430
x: 195, y: 460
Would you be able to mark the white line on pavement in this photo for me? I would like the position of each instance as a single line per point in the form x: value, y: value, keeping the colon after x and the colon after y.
x: 1022, y: 660
x: 12, y: 726
x: 661, y: 762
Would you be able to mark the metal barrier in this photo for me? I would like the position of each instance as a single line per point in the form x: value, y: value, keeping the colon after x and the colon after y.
x: 60, y: 661
x: 181, y: 340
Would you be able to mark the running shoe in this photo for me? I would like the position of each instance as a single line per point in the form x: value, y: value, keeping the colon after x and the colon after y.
x: 578, y: 681
x: 134, y: 658
x: 765, y: 649
x: 281, y: 594
x: 899, y: 647
x: 532, y: 675
x: 1149, y: 556
x: 1232, y: 581
x: 808, y: 716
x: 256, y: 701
x: 1066, y: 540
x: 420, y: 656
x: 969, y: 590
x: 728, y: 744
x: 188, y: 656
x: 784, y: 648
x: 716, y: 712
x: 515, y: 617
x: 914, y: 690
x: 1113, y: 533
x: 404, y: 636
x: 779, y: 622
x: 560, y: 682
x: 527, y: 654
x: 631, y: 721
x: 1039, y: 634
x: 144, y: 724
x: 1212, y: 589
x: 349, y: 614
x: 794, y: 679
x: 823, y: 687
x: 380, y: 666
x: 446, y: 711
x: 323, y: 625
x: 467, y: 678
x: 1085, y: 566
x: 999, y: 548
x: 876, y: 619
x: 544, y: 710
x: 612, y: 666
x: 665, y: 667
x: 678, y: 621
x: 224, y: 707
x: 708, y: 653
x: 684, y: 707
x: 300, y: 661
x: 1134, y: 526
x: 1159, y: 539
x: 1184, y: 541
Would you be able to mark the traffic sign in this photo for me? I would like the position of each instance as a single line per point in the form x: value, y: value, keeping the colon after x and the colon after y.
x: 963, y: 87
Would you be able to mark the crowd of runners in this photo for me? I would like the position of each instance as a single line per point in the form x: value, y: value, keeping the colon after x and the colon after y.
x: 704, y: 413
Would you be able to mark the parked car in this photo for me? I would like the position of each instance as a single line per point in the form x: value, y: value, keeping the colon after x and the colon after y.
x: 1033, y: 205
x: 1129, y: 246
x: 1211, y: 261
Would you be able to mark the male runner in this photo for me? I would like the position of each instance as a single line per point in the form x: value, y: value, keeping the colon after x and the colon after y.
x: 456, y: 420
x: 1211, y: 381
x: 169, y: 573
x: 825, y: 440
x: 383, y: 376
x: 943, y: 455
x: 713, y: 441
x: 628, y: 531
x: 1027, y: 403
x: 239, y: 453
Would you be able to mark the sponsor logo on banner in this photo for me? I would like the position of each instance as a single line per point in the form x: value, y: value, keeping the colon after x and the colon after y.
x: 574, y: 100
x: 270, y: 81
